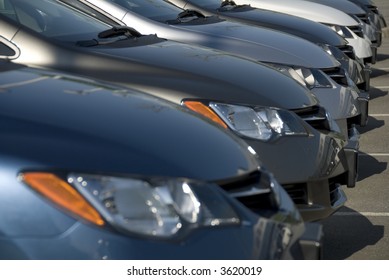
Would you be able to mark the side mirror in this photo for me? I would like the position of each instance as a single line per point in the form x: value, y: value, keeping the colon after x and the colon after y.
x: 8, y: 50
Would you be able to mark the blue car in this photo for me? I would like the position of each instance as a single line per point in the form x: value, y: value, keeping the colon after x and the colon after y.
x: 92, y: 171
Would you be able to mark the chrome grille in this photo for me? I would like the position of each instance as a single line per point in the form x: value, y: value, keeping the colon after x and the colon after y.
x: 338, y: 75
x: 348, y: 50
x: 374, y: 9
x: 357, y: 30
x: 364, y: 18
x: 298, y: 193
x: 244, y: 189
x: 315, y: 116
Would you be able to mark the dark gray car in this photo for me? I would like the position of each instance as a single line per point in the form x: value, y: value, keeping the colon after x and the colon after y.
x: 228, y: 89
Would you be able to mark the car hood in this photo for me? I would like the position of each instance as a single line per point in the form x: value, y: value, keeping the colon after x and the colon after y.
x: 298, y: 26
x: 364, y: 2
x: 170, y: 70
x: 345, y: 6
x: 53, y: 120
x: 260, y: 44
x: 308, y: 10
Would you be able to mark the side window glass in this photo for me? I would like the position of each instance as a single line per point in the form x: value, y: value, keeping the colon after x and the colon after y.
x: 7, y: 50
x: 6, y: 9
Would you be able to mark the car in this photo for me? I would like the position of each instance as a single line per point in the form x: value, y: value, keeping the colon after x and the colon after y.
x: 343, y: 24
x: 257, y: 103
x: 370, y: 29
x: 95, y: 171
x: 258, y: 44
x: 373, y: 12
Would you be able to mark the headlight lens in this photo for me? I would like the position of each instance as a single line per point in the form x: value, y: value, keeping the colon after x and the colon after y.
x: 336, y: 52
x: 326, y: 48
x: 259, y: 123
x: 341, y: 30
x: 311, y: 78
x: 158, y: 208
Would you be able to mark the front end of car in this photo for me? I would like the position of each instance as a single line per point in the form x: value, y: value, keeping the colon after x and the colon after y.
x: 337, y: 92
x: 303, y: 136
x: 95, y: 216
x: 364, y: 49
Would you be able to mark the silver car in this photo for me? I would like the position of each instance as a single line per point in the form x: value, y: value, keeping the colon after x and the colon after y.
x: 299, y: 58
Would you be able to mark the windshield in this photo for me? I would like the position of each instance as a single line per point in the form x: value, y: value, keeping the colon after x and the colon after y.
x: 159, y: 10
x: 52, y: 18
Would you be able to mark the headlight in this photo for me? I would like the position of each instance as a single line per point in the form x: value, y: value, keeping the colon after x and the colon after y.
x: 311, y: 78
x: 341, y: 30
x: 336, y: 52
x: 260, y: 123
x: 326, y: 48
x: 158, y: 208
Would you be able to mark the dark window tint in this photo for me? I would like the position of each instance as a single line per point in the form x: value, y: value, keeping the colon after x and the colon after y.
x: 5, y: 50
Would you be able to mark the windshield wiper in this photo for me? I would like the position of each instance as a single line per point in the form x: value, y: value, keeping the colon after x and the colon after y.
x: 188, y: 15
x: 110, y: 33
x: 231, y: 5
x: 228, y: 3
x: 118, y: 31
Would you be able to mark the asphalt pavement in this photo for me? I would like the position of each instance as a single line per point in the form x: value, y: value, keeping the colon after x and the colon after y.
x: 360, y: 230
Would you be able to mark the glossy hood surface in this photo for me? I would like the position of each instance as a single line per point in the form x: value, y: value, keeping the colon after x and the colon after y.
x: 343, y: 5
x: 298, y: 26
x: 259, y: 44
x: 312, y: 11
x: 78, y: 124
x: 170, y: 70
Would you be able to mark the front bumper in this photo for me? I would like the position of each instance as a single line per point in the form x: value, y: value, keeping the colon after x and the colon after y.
x: 255, y: 238
x: 311, y: 169
x: 312, y: 241
x: 361, y: 74
x: 345, y: 105
x: 363, y: 99
x: 362, y: 48
x: 373, y: 58
x: 352, y: 155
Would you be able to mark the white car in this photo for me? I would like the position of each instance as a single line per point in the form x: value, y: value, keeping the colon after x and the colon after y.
x: 369, y: 26
x: 341, y: 22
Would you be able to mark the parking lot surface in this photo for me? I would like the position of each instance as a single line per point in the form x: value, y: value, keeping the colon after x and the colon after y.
x: 359, y: 231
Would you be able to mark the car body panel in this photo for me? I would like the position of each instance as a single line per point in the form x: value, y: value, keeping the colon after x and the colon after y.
x: 86, y: 129
x: 145, y: 72
x: 305, y: 9
x: 342, y: 5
